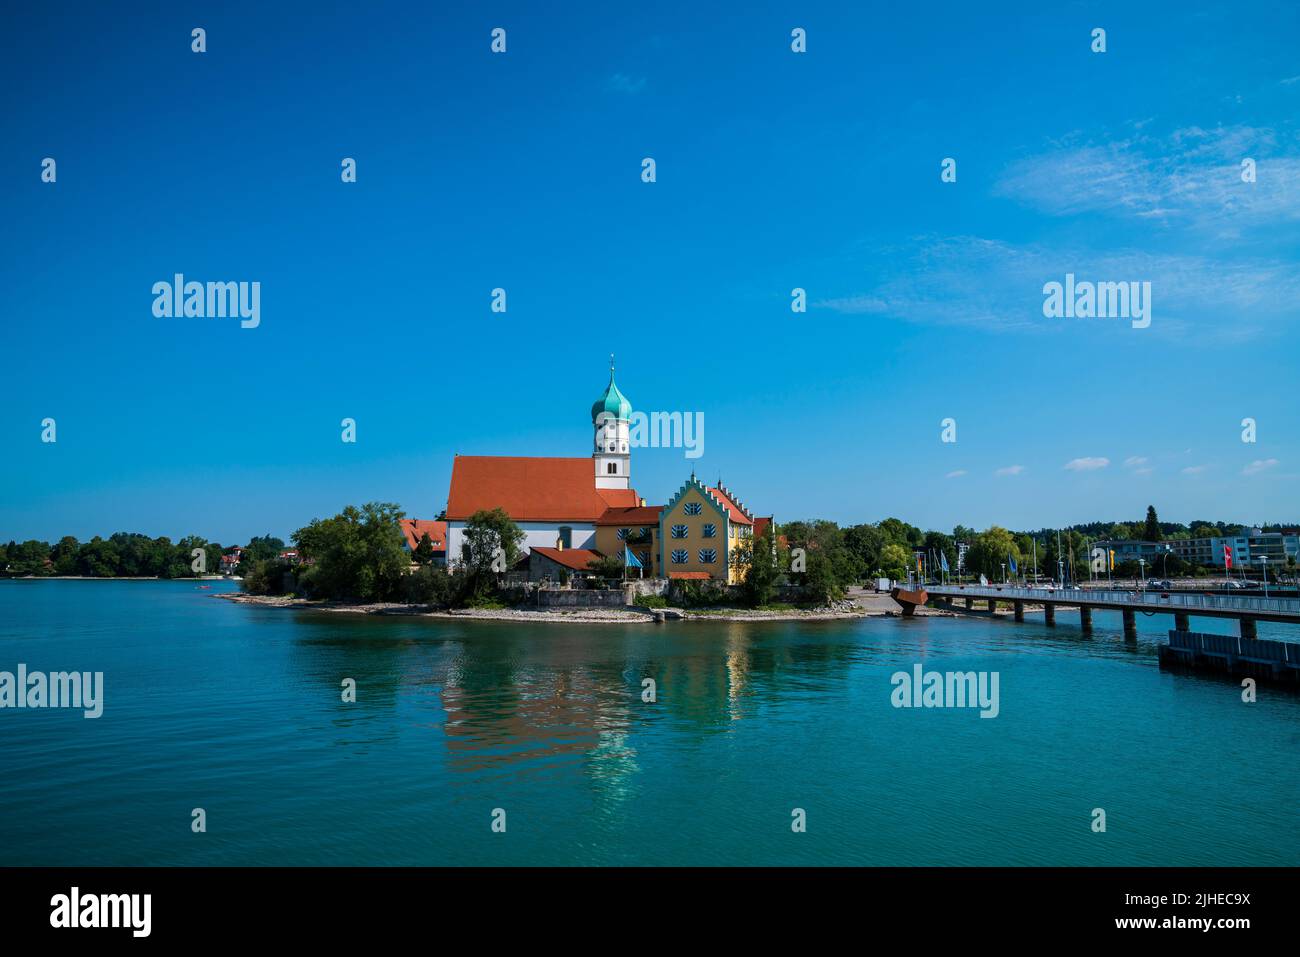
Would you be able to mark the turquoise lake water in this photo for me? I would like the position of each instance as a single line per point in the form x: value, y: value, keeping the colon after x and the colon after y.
x: 237, y: 710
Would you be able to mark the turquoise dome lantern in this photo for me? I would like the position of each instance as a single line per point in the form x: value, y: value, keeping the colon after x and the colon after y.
x: 613, y: 403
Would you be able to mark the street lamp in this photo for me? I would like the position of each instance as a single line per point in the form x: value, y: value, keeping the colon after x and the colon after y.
x: 1142, y: 571
x: 1060, y: 571
x: 1004, y: 573
x: 1263, y: 560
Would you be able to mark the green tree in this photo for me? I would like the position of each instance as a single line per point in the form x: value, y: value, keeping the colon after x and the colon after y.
x: 864, y: 543
x: 895, y: 560
x: 990, y: 550
x: 358, y: 554
x: 423, y: 554
x: 901, y: 533
x: 64, y: 556
x: 429, y: 585
x: 606, y: 566
x: 764, y: 569
x: 489, y: 535
x: 1151, y: 530
x: 268, y: 577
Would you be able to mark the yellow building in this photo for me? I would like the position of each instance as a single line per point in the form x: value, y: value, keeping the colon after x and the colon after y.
x: 637, y: 530
x: 705, y: 533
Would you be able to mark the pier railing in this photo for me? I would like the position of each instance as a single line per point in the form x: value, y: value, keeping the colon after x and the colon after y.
x: 1166, y: 601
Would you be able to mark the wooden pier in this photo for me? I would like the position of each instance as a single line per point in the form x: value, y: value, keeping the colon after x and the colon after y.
x: 1260, y: 658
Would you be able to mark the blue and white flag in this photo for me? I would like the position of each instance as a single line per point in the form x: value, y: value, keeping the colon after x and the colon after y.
x: 1011, y: 563
x: 630, y: 560
x: 943, y: 561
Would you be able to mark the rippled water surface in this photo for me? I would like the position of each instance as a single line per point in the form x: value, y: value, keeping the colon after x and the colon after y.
x: 237, y: 710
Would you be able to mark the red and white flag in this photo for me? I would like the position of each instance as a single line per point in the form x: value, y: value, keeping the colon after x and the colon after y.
x: 1227, y: 556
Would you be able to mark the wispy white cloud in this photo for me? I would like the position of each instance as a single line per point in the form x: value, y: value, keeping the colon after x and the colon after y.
x: 1134, y: 461
x: 1010, y: 470
x: 1190, y: 177
x: 995, y: 285
x: 956, y: 474
x: 1259, y: 465
x: 1195, y: 469
x: 1087, y: 464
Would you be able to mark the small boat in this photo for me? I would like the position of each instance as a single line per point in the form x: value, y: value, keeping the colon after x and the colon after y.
x: 909, y: 598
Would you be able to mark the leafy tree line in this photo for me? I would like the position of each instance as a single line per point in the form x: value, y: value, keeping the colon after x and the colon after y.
x: 359, y: 555
x: 121, y: 555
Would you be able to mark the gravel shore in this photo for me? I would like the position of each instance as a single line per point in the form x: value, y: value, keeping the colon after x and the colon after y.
x: 866, y: 605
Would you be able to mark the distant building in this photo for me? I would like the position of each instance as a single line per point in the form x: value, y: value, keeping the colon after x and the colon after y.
x: 1248, y: 546
x: 635, y: 529
x: 230, y: 561
x: 414, y: 529
x: 554, y: 564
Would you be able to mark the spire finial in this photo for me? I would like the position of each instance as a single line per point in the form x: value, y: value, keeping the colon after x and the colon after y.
x: 611, y: 363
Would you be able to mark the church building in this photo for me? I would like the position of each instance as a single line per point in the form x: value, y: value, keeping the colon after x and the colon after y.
x: 588, y: 506
x: 556, y: 501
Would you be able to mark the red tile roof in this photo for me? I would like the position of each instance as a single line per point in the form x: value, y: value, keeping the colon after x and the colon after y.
x: 639, y: 515
x: 531, y: 489
x: 415, y: 528
x: 694, y: 576
x: 737, y: 515
x: 578, y: 559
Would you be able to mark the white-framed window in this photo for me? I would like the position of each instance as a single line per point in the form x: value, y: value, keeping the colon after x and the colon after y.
x: 692, y: 508
x: 710, y: 530
x: 680, y: 556
x: 679, y: 531
x: 708, y: 556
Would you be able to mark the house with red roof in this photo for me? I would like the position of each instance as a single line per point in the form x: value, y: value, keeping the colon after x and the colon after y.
x: 414, y: 529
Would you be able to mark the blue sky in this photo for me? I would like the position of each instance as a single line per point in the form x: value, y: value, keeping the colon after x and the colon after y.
x: 775, y: 170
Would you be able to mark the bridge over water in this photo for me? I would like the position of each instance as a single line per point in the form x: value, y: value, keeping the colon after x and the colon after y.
x: 1245, y: 609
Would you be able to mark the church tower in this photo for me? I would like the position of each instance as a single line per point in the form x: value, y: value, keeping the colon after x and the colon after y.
x: 610, y: 418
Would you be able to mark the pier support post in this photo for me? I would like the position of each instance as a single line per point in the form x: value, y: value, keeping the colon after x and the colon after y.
x: 970, y: 604
x: 1130, y: 623
x: 1019, y: 607
x: 1085, y: 618
x: 1248, y: 628
x: 1049, y: 615
x: 1181, y: 621
x: 993, y: 606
